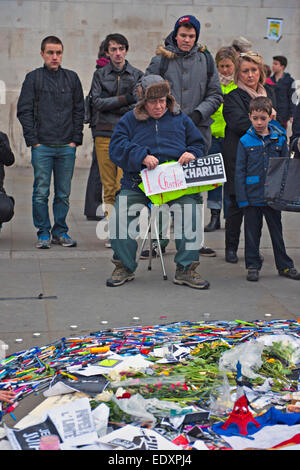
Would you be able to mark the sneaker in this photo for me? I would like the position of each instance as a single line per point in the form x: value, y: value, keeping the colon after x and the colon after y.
x: 120, y: 275
x: 291, y: 273
x: 190, y: 277
x: 43, y: 242
x: 64, y: 240
x: 205, y: 251
x: 155, y: 252
x: 253, y: 274
x: 231, y: 256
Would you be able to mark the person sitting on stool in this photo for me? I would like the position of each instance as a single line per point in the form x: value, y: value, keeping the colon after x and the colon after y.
x: 156, y: 131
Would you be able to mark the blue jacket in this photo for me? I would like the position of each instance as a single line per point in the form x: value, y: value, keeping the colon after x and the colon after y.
x: 252, y: 162
x: 166, y: 138
x: 284, y: 90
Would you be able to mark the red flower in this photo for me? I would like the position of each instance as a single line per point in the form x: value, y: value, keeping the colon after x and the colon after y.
x: 125, y: 395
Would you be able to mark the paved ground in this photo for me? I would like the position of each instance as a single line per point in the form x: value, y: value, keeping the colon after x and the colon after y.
x: 72, y: 281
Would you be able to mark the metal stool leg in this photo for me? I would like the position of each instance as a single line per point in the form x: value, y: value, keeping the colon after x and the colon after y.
x: 153, y: 220
x: 165, y: 277
x: 144, y: 240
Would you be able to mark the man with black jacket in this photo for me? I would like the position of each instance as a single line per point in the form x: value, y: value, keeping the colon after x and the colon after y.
x: 6, y: 202
x: 284, y: 89
x: 112, y: 96
x: 51, y: 111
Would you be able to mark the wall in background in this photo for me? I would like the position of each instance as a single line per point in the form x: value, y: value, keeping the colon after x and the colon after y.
x: 83, y: 24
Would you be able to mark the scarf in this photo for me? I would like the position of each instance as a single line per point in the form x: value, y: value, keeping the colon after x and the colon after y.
x: 225, y: 80
x: 261, y: 91
x: 102, y: 61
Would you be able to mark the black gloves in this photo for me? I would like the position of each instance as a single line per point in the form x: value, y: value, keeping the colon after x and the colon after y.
x: 130, y: 98
x: 196, y: 117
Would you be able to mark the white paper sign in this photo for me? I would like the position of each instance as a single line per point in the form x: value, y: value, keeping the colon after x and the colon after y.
x: 166, y: 177
x: 205, y: 170
x: 134, y: 438
x: 74, y: 422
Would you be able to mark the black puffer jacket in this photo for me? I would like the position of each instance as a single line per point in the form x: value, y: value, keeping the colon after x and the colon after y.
x: 59, y: 115
x: 112, y: 96
x: 6, y: 157
x: 284, y: 91
x: 236, y: 115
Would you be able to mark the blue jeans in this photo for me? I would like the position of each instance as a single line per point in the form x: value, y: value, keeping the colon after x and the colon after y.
x: 187, y: 214
x: 60, y: 161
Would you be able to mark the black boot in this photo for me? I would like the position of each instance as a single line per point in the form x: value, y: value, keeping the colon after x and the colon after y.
x: 214, y: 223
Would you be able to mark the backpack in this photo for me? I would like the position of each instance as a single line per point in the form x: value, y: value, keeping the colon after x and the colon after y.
x: 88, y: 108
x: 164, y: 63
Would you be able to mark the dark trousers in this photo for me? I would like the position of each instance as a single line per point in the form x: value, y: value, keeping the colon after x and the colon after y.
x: 93, y: 196
x: 253, y: 223
x: 233, y: 222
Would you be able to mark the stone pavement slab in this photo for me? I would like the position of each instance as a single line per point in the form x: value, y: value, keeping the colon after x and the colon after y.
x: 76, y: 301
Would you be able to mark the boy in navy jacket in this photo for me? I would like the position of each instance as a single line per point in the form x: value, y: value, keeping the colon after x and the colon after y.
x: 262, y: 141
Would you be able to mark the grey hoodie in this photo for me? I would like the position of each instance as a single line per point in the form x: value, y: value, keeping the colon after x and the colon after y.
x: 187, y: 73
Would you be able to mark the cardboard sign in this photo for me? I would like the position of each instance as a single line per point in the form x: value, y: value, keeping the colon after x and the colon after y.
x: 74, y: 422
x: 172, y: 176
x: 205, y: 170
x: 166, y: 177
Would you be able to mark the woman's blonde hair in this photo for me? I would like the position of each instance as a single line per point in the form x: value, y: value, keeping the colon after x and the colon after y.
x: 250, y: 56
x: 226, y: 53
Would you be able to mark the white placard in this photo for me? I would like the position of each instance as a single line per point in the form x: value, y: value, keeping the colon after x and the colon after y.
x: 74, y: 422
x: 205, y: 170
x: 166, y: 177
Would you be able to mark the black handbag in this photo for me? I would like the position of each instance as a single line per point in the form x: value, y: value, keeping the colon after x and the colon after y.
x: 282, y: 184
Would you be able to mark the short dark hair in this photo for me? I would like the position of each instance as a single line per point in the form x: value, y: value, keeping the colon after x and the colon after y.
x: 50, y: 40
x: 281, y: 59
x: 116, y: 37
x: 261, y: 103
x: 187, y: 25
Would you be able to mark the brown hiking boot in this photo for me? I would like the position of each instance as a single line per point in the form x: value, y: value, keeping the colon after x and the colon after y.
x: 120, y: 275
x: 190, y: 277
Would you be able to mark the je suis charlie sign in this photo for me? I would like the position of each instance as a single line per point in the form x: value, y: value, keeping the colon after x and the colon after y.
x: 172, y: 176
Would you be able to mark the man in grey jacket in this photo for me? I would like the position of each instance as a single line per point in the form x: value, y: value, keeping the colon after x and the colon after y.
x: 112, y: 96
x: 192, y: 74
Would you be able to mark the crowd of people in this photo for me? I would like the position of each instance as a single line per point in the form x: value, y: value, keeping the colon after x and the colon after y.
x: 185, y: 105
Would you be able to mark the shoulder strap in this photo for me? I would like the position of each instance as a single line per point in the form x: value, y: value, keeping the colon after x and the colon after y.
x: 38, y: 86
x: 38, y: 82
x: 209, y: 61
x: 164, y: 62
